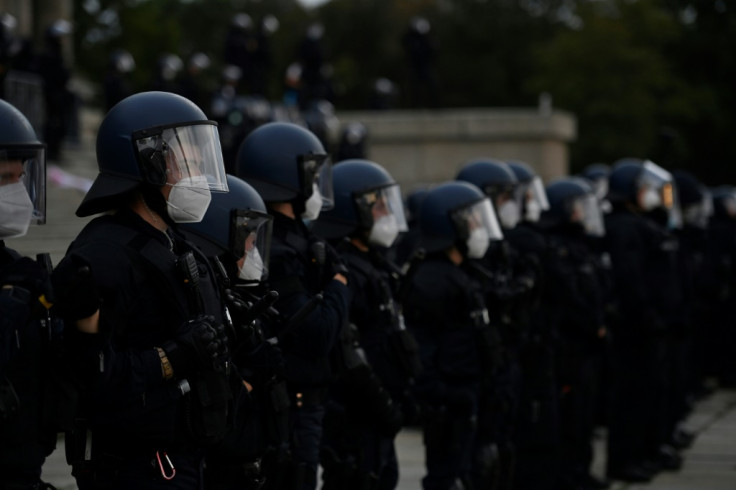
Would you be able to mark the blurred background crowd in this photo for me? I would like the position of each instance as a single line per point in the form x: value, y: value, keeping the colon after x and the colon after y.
x: 648, y: 77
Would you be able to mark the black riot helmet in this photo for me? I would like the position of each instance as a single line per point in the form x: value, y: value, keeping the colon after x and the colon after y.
x: 597, y: 174
x: 413, y: 204
x: 285, y: 163
x: 573, y: 202
x: 531, y: 189
x: 147, y: 139
x: 695, y: 199
x: 22, y: 174
x: 367, y: 203
x: 237, y: 229
x: 496, y: 179
x: 647, y: 186
x: 458, y: 214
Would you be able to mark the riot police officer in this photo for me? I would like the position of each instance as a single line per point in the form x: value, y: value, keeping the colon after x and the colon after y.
x: 721, y: 280
x: 575, y: 301
x: 26, y: 357
x: 597, y: 175
x: 445, y: 310
x: 115, y: 85
x: 289, y: 168
x: 366, y: 410
x: 687, y: 342
x: 235, y: 233
x: 149, y: 343
x: 504, y: 287
x: 537, y: 432
x: 643, y: 255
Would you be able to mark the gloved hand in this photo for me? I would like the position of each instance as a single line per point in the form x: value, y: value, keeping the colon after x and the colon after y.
x: 390, y: 419
x: 335, y: 263
x: 27, y: 274
x: 266, y: 360
x: 198, y: 346
x: 75, y: 289
x: 326, y: 256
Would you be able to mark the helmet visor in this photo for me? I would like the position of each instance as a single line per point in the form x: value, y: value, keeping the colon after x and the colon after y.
x: 659, y: 180
x: 479, y: 215
x: 250, y: 234
x: 588, y: 211
x: 698, y: 214
x: 378, y: 203
x: 187, y: 151
x: 27, y: 164
x: 536, y: 192
x: 533, y: 198
x: 316, y: 172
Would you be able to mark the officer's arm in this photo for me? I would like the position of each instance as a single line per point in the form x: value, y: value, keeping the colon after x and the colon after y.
x: 319, y: 329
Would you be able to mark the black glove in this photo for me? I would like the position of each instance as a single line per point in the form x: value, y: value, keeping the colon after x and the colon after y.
x: 75, y: 289
x: 198, y: 346
x: 266, y: 360
x: 391, y: 419
x: 326, y: 256
x: 335, y: 263
x: 27, y: 274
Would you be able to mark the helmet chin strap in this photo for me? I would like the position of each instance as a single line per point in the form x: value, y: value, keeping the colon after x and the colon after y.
x: 297, y: 205
x: 156, y: 202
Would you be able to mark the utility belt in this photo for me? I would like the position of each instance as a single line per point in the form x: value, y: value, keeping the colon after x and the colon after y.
x: 307, y: 397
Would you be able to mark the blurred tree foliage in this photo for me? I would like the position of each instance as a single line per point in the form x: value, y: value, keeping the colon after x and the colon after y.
x: 647, y: 78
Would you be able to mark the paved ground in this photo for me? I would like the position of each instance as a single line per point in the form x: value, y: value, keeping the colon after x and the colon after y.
x: 709, y: 465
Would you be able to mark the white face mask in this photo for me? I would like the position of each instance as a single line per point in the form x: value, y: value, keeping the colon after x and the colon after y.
x: 189, y: 199
x: 508, y: 214
x: 478, y: 243
x: 16, y: 210
x: 384, y: 231
x: 533, y: 211
x: 252, y: 268
x: 313, y: 205
x: 650, y: 199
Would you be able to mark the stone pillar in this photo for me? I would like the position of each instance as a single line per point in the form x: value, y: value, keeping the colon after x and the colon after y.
x: 427, y: 147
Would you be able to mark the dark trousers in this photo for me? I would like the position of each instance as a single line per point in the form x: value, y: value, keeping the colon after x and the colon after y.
x: 635, y: 425
x: 306, y: 440
x: 449, y: 440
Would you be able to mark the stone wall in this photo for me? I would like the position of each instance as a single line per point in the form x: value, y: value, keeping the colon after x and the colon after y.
x: 425, y: 147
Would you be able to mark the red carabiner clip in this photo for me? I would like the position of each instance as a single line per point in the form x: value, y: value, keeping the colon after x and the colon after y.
x: 161, y: 466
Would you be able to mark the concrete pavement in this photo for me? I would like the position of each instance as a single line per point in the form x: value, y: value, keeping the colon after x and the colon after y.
x: 709, y: 465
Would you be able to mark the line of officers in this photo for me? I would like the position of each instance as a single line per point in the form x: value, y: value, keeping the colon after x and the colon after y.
x: 248, y: 331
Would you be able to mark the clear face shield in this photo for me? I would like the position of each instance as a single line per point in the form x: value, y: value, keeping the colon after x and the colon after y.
x: 382, y: 212
x: 189, y: 154
x: 698, y: 214
x: 657, y: 190
x: 316, y: 175
x: 477, y: 225
x: 586, y: 210
x: 729, y: 204
x: 534, y: 199
x: 23, y: 185
x: 250, y: 235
